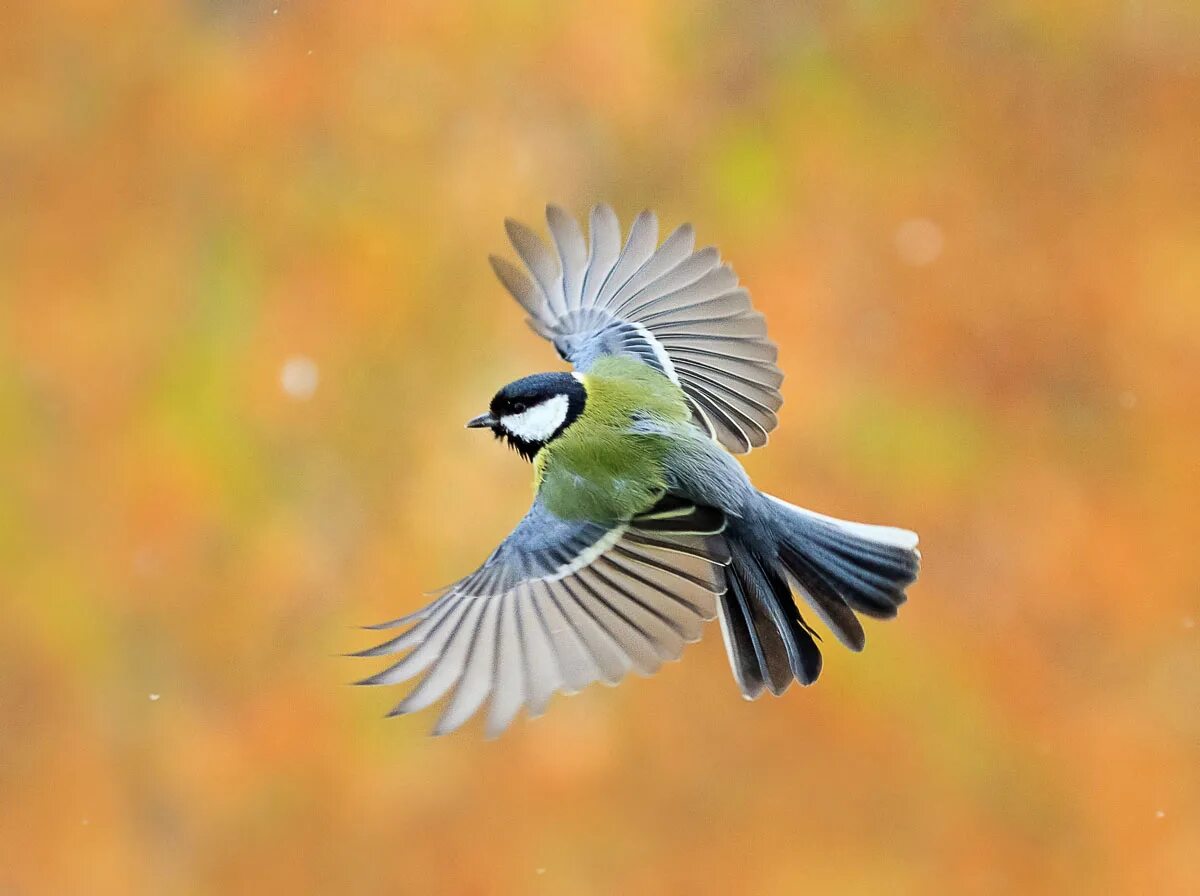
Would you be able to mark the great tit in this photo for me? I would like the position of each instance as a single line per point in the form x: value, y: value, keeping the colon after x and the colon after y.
x: 643, y: 524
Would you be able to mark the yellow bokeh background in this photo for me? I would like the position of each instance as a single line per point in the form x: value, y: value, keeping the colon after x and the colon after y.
x: 974, y: 230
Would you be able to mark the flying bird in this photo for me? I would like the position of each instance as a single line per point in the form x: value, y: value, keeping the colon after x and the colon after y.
x: 644, y: 525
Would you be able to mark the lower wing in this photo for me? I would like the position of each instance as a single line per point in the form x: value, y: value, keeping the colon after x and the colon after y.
x: 561, y: 604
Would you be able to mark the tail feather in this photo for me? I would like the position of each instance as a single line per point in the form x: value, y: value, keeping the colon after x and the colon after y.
x: 758, y: 613
x: 867, y: 590
x: 822, y: 593
x: 746, y: 659
x: 839, y: 567
x: 756, y: 647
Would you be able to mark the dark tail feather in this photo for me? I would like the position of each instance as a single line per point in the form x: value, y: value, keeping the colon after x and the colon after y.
x: 767, y: 641
x: 838, y: 566
x: 843, y: 566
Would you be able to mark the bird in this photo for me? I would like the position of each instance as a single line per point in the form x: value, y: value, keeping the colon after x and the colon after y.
x: 644, y: 525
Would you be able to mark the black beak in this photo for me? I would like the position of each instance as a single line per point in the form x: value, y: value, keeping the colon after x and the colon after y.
x: 483, y: 420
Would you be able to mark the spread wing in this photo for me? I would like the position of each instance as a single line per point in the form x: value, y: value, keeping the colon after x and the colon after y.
x: 558, y: 605
x: 679, y: 310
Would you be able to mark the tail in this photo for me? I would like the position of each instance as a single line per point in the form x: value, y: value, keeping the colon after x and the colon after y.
x: 838, y: 567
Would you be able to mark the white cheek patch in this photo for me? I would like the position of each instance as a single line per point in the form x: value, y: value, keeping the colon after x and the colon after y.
x: 538, y: 423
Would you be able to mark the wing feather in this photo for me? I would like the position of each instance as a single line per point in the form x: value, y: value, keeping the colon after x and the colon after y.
x: 572, y: 253
x: 673, y: 251
x: 430, y: 648
x: 574, y: 660
x: 477, y: 677
x: 639, y: 247
x: 733, y: 369
x: 448, y: 667
x: 749, y: 325
x: 682, y: 289
x: 662, y: 271
x: 751, y: 350
x: 541, y: 262
x: 732, y: 414
x: 612, y: 612
x: 731, y: 304
x: 541, y: 665
x: 508, y: 695
x: 604, y: 251
x: 611, y: 660
x: 744, y: 397
x: 686, y: 603
x: 524, y: 290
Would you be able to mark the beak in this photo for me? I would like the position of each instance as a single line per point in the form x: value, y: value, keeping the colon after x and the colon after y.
x: 481, y: 421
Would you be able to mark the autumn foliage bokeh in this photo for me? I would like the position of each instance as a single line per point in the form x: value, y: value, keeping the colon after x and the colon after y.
x: 245, y: 309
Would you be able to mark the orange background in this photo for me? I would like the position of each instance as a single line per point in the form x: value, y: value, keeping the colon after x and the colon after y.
x: 974, y: 230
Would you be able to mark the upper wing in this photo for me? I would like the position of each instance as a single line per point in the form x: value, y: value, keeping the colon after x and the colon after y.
x: 678, y: 310
x: 558, y: 605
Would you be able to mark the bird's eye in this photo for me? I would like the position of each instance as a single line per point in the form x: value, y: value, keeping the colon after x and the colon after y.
x: 518, y: 407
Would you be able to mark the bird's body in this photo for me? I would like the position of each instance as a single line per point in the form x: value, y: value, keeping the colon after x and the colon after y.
x: 638, y: 440
x: 604, y: 468
x: 643, y: 524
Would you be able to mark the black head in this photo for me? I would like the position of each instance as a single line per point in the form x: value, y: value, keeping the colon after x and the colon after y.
x: 535, y: 410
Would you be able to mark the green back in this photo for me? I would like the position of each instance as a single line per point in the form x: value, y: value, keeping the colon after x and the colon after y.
x: 597, y: 469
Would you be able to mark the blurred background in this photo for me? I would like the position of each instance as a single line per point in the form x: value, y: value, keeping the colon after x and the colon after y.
x: 245, y: 309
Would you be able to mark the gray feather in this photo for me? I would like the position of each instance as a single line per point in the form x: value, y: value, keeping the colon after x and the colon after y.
x: 605, y: 232
x: 541, y: 262
x: 639, y: 247
x: 572, y: 254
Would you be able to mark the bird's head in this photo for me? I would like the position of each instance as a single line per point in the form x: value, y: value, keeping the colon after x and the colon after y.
x: 534, y: 410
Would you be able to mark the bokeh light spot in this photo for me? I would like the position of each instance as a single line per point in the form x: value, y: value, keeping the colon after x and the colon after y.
x: 299, y: 377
